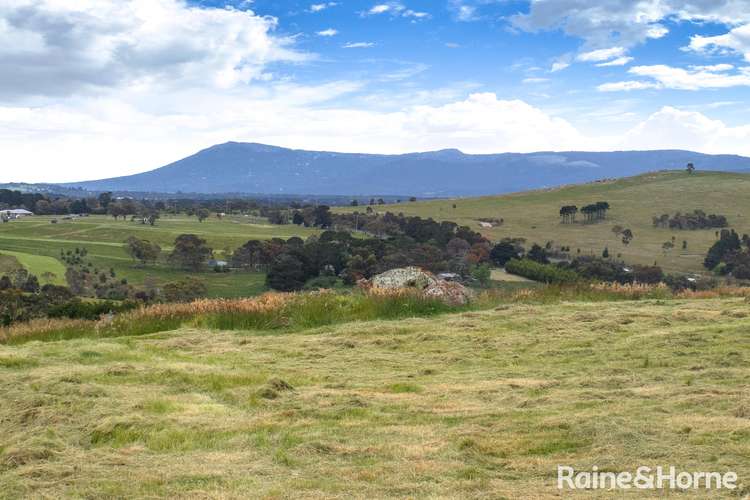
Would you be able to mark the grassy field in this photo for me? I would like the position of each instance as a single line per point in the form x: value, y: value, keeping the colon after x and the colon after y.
x: 535, y: 215
x: 36, y: 243
x: 47, y: 269
x: 481, y: 404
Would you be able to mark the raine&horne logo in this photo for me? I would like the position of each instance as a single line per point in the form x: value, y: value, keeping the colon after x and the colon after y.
x: 644, y: 478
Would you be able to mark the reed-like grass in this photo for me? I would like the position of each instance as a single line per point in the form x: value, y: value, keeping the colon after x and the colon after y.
x: 47, y: 330
x: 298, y: 311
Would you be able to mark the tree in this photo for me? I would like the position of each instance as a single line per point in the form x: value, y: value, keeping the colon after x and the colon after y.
x: 105, y: 199
x: 538, y: 254
x: 503, y: 252
x: 728, y: 243
x: 358, y: 267
x: 322, y: 216
x: 190, y: 252
x: 298, y: 218
x: 202, y: 214
x: 482, y: 274
x: 627, y: 237
x: 142, y: 250
x: 605, y: 253
x: 186, y: 290
x: 286, y: 274
x: 457, y: 248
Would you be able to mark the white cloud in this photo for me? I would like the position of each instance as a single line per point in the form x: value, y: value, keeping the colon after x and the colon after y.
x: 134, y: 132
x: 626, y: 23
x: 601, y: 54
x: 358, y: 45
x: 328, y: 32
x: 49, y: 48
x: 135, y: 136
x: 620, y: 61
x: 627, y: 85
x: 317, y: 7
x: 535, y: 80
x: 679, y: 129
x: 560, y: 63
x: 735, y: 41
x: 693, y: 78
x: 396, y: 9
x: 380, y: 9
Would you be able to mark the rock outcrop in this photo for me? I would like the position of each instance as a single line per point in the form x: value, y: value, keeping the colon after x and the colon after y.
x: 425, y: 282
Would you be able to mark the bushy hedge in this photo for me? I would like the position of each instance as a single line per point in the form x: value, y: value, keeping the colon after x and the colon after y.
x: 546, y: 273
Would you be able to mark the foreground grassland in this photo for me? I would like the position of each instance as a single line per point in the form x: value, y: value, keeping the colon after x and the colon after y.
x: 36, y: 243
x: 635, y: 200
x: 480, y: 404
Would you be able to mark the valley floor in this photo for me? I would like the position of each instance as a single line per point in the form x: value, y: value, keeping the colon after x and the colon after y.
x: 471, y: 405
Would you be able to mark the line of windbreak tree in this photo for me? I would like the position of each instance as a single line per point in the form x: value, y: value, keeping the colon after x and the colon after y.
x: 536, y: 266
x: 593, y: 212
x: 698, y: 219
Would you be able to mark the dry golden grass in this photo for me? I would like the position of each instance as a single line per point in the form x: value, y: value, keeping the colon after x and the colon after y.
x: 478, y: 404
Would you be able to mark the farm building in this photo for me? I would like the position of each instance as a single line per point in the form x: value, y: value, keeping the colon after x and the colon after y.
x: 15, y: 213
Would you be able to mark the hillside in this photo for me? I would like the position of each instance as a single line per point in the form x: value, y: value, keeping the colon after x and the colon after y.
x: 479, y: 404
x: 257, y: 168
x: 534, y: 215
x: 37, y: 244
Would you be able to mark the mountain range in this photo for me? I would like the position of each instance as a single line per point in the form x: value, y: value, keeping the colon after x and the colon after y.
x: 261, y: 169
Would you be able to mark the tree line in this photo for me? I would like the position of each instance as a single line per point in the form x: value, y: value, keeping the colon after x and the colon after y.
x: 593, y: 212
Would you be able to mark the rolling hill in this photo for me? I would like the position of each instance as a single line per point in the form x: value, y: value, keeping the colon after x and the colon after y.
x: 534, y: 215
x: 257, y: 168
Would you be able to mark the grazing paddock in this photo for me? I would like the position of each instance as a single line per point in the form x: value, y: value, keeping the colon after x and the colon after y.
x: 37, y: 243
x: 534, y: 215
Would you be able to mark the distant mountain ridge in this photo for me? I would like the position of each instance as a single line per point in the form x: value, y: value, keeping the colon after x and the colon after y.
x: 259, y: 168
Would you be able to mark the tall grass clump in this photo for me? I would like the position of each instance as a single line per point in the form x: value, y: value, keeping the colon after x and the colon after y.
x: 310, y: 310
x: 47, y: 330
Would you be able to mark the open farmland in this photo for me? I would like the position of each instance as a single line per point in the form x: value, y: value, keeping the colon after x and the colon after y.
x: 34, y: 241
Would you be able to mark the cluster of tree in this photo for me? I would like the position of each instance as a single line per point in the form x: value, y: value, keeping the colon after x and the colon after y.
x: 596, y: 211
x: 142, y: 251
x: 568, y: 213
x: 698, y: 219
x: 730, y: 255
x: 22, y: 299
x: 20, y: 279
x: 593, y: 212
x: 405, y: 241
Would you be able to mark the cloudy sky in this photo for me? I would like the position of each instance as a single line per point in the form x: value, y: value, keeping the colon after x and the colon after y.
x: 98, y: 88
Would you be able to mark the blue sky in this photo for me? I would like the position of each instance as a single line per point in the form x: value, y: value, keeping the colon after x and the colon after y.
x: 100, y: 88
